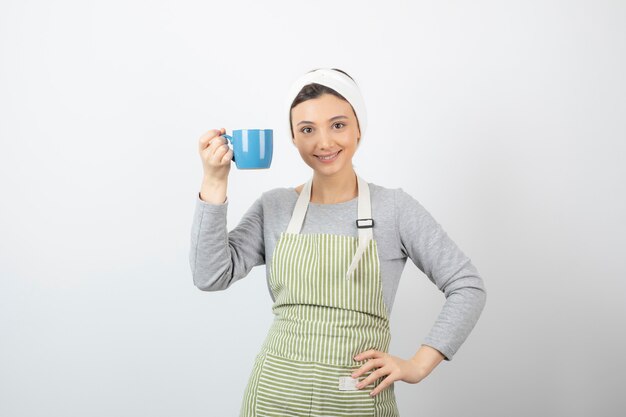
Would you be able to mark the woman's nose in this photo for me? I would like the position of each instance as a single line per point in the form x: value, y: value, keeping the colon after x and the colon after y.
x: 325, y: 140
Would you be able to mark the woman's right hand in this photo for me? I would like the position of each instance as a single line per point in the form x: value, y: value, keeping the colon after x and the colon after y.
x: 216, y: 155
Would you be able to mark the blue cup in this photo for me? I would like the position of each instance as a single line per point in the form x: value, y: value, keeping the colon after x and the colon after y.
x: 252, y: 148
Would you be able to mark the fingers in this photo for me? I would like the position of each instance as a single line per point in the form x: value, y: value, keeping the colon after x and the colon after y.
x: 228, y: 155
x: 384, y: 384
x: 217, y: 143
x: 207, y: 138
x: 215, y: 154
x: 214, y: 147
x: 371, y: 364
x: 371, y: 378
x: 217, y: 151
x: 372, y: 353
x: 379, y: 363
x: 384, y: 373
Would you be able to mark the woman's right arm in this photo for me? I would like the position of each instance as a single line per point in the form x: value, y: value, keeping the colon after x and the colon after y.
x: 218, y: 257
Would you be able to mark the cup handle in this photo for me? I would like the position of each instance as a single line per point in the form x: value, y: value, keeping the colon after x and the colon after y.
x: 230, y: 139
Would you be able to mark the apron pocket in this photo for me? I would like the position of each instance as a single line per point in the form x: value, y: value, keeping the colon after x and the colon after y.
x: 329, y: 400
x: 248, y: 405
x: 284, y: 387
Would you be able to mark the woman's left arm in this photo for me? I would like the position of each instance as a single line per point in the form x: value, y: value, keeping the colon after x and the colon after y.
x: 431, y: 249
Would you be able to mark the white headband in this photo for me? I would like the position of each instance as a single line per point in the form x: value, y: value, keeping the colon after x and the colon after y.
x: 339, y: 82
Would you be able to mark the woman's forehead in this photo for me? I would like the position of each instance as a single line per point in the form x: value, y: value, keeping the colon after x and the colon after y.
x: 322, y: 109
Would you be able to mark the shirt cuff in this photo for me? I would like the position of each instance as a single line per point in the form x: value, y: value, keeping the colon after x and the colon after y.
x: 199, y: 199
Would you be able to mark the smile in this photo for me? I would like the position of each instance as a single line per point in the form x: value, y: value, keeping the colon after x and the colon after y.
x: 328, y: 158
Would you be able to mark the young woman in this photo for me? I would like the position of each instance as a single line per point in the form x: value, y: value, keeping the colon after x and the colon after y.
x: 335, y: 248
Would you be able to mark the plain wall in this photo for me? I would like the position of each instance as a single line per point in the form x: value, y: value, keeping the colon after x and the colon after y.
x: 505, y: 119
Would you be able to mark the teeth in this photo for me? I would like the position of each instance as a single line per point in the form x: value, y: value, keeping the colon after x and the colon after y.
x: 328, y: 157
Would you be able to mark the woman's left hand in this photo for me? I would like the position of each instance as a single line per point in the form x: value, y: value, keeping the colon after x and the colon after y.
x: 393, y: 367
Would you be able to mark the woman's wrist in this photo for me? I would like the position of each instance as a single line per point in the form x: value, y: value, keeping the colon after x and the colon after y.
x: 428, y: 358
x: 213, y: 191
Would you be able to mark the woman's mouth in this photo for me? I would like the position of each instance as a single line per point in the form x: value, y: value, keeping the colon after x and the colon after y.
x: 329, y: 158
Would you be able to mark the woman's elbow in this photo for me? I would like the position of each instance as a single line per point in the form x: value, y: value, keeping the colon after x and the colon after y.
x: 212, y: 280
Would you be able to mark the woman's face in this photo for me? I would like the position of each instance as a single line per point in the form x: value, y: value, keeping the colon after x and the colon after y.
x: 324, y: 126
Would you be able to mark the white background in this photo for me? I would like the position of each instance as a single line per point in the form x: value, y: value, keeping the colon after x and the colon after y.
x: 505, y: 119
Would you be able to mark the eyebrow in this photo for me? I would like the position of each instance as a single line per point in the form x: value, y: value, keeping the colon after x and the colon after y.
x: 341, y: 116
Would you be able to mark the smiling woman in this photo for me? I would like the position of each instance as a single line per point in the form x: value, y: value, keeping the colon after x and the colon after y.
x: 326, y: 127
x: 326, y: 135
x: 335, y: 248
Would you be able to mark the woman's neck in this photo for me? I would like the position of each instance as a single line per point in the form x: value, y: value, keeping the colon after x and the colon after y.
x: 338, y: 188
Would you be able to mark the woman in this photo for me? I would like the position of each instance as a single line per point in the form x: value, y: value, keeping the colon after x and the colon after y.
x: 335, y: 248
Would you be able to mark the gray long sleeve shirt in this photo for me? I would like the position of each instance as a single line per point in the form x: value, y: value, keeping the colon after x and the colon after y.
x: 403, y: 228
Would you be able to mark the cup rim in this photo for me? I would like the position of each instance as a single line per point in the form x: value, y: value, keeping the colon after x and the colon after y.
x: 250, y: 130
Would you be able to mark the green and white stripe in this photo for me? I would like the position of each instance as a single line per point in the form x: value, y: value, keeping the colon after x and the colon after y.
x: 322, y: 320
x: 320, y: 316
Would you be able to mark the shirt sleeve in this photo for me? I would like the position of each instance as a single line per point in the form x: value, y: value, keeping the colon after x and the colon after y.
x: 430, y: 248
x: 217, y: 257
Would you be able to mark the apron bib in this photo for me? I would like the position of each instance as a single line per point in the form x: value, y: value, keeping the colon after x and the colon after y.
x: 323, y: 318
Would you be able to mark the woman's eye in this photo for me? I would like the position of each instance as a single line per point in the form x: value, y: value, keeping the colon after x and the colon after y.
x: 302, y: 130
x: 339, y: 123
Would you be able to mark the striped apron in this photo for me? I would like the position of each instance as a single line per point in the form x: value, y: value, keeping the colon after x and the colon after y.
x: 323, y: 318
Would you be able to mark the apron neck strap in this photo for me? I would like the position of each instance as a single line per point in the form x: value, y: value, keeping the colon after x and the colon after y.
x: 364, y: 221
